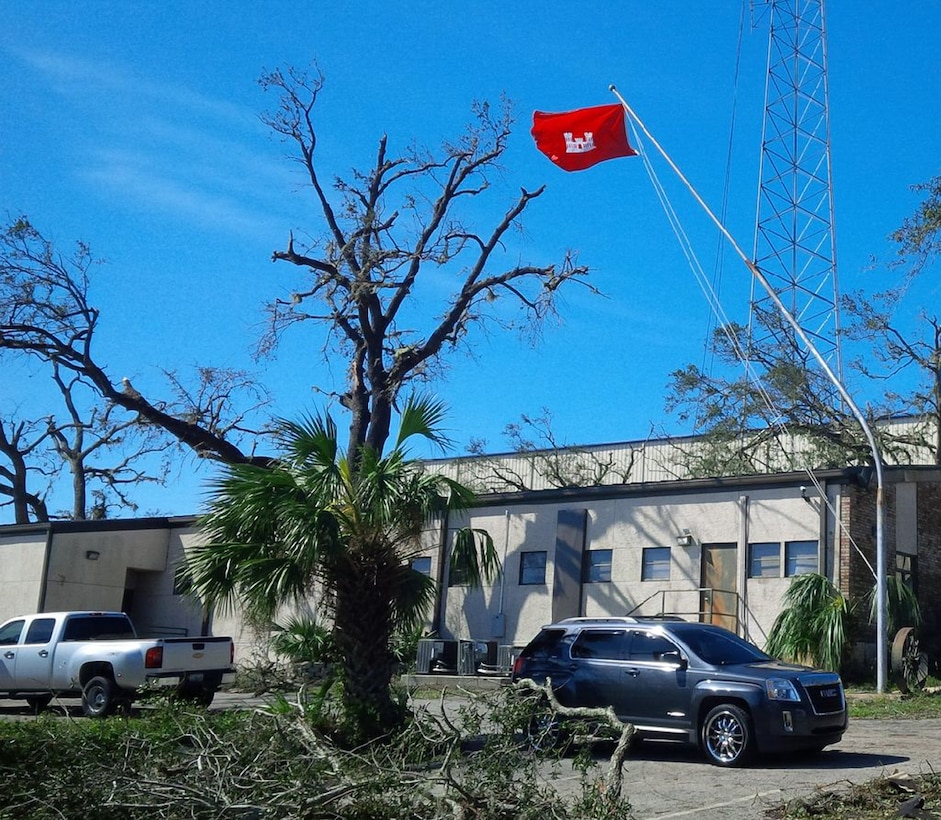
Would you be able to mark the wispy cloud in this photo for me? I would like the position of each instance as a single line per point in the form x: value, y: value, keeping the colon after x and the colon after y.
x: 165, y: 147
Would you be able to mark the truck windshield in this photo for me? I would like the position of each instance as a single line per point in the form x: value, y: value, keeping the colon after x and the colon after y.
x: 97, y: 628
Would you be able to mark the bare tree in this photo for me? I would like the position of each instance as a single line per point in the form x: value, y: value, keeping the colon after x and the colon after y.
x: 388, y: 230
x: 918, y: 239
x: 549, y: 461
x: 104, y: 449
x: 20, y: 442
x: 743, y: 419
x: 45, y: 314
x: 769, y: 409
x: 906, y: 344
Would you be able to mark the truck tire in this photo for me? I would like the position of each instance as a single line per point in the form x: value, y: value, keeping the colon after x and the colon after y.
x: 99, y: 697
x: 38, y: 702
x: 727, y: 737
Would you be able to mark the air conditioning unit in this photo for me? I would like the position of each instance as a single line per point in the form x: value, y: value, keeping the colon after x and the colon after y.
x: 436, y: 655
x: 473, y: 656
x: 506, y: 657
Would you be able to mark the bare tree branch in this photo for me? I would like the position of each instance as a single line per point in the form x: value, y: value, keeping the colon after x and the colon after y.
x: 394, y: 234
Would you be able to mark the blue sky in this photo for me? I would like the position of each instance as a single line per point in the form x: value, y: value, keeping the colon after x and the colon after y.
x: 134, y: 126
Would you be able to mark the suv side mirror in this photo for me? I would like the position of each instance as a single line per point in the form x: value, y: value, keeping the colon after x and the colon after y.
x: 674, y: 656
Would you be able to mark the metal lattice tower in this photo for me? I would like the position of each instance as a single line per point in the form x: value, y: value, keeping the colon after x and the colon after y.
x: 795, y: 246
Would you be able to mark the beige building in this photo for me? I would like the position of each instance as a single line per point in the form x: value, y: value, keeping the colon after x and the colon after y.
x: 714, y: 549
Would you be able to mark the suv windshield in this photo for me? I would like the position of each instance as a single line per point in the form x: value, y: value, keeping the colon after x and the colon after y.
x: 719, y: 647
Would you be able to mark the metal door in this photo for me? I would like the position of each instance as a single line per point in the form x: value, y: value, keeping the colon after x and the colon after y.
x: 718, y: 602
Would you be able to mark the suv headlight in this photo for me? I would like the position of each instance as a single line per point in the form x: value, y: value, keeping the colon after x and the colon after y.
x: 781, y: 689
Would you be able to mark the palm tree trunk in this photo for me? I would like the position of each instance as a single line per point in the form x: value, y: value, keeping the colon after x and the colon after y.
x: 364, y: 608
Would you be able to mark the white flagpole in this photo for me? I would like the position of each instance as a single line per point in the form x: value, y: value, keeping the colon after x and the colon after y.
x: 881, y: 653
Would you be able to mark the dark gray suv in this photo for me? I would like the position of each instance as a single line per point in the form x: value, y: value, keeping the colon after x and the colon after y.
x: 688, y: 682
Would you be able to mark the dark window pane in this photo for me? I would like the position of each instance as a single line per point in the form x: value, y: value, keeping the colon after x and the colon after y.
x: 764, y: 560
x: 599, y: 644
x: 648, y: 647
x: 10, y: 633
x: 546, y: 645
x: 597, y: 568
x: 800, y: 557
x: 40, y: 630
x: 533, y: 567
x: 655, y: 564
x: 422, y: 565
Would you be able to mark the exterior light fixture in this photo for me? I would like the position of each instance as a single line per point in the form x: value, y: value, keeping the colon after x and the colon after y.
x: 685, y: 539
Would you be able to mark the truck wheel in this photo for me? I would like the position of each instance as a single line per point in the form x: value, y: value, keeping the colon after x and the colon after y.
x: 99, y: 697
x: 38, y: 702
x: 727, y: 737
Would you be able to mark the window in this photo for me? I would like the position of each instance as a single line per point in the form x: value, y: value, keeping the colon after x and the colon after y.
x: 422, y: 565
x: 458, y: 575
x: 182, y: 583
x: 546, y: 645
x: 97, y: 628
x: 655, y: 564
x: 646, y: 646
x: 40, y: 630
x: 800, y: 557
x: 764, y: 560
x: 597, y: 567
x: 602, y: 644
x: 533, y: 567
x: 10, y: 634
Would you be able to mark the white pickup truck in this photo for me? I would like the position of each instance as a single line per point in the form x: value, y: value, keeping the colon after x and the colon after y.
x: 98, y: 656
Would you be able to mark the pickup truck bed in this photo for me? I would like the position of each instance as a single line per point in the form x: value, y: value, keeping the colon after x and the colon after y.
x: 97, y: 655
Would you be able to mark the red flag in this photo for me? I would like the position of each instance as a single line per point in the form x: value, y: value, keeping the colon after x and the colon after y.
x: 575, y: 140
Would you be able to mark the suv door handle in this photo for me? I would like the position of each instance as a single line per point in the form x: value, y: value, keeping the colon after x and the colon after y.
x: 633, y: 671
x: 43, y: 653
x: 9, y: 654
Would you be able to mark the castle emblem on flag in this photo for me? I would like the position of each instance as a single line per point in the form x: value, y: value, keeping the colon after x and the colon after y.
x: 579, y: 145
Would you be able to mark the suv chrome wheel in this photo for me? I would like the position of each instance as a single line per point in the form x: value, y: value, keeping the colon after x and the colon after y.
x: 726, y: 736
x: 544, y: 731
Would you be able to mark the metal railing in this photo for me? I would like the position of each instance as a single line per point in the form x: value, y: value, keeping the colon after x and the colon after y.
x: 672, y: 602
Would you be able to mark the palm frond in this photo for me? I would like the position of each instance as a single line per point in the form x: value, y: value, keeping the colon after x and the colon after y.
x: 423, y: 416
x: 474, y: 558
x: 811, y: 627
x: 902, y: 607
x: 416, y: 596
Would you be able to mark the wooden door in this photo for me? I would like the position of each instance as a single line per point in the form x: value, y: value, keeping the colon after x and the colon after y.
x: 718, y: 602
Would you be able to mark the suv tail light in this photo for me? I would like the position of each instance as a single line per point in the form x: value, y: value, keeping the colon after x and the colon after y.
x: 517, y: 665
x: 154, y: 657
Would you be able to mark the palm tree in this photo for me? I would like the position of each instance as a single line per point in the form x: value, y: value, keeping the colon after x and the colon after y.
x: 314, y: 519
x: 812, y: 626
